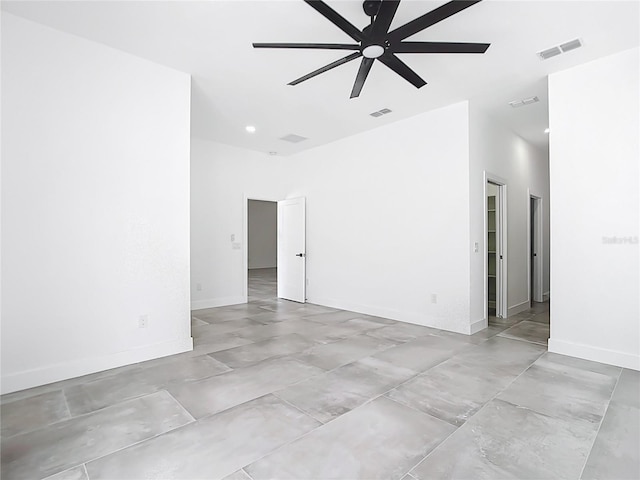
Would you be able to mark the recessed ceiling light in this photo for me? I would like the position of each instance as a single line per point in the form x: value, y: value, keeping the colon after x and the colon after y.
x: 273, y: 153
x: 250, y: 129
x: 546, y: 130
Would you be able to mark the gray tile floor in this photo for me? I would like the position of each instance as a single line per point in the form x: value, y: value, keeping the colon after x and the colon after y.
x: 275, y: 389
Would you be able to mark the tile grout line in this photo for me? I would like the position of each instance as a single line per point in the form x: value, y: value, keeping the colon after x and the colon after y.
x: 246, y: 473
x: 595, y: 437
x: 299, y: 409
x: 476, y: 413
x: 86, y: 472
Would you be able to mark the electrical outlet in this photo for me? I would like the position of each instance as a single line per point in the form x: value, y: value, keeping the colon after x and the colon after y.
x: 233, y: 237
x: 143, y: 321
x: 236, y: 246
x: 476, y: 247
x: 434, y: 298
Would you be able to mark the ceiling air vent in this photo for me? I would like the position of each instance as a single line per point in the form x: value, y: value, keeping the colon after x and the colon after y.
x: 558, y: 49
x: 572, y: 45
x: 293, y: 138
x: 523, y: 102
x: 379, y: 113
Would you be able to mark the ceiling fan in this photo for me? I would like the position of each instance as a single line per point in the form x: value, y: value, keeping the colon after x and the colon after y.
x: 375, y: 41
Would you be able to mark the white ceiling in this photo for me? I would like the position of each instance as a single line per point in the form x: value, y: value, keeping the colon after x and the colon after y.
x: 235, y: 85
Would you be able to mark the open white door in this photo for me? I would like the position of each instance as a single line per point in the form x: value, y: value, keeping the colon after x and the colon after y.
x: 291, y: 250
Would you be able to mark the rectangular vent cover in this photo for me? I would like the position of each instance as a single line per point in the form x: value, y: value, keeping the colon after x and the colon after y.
x: 523, y: 102
x: 559, y: 49
x: 379, y: 113
x: 293, y: 138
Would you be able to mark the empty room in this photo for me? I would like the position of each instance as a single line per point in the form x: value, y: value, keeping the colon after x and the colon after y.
x: 308, y: 240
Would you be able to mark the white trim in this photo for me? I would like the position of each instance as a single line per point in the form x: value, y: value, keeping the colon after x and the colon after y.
x: 84, y: 366
x: 538, y: 246
x: 478, y: 326
x: 216, y: 302
x: 596, y: 354
x: 546, y: 296
x: 516, y: 309
x: 501, y: 207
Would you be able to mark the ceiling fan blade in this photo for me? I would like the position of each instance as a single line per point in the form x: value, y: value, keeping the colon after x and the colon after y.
x: 383, y: 20
x: 401, y: 68
x: 323, y: 46
x: 431, y: 18
x: 326, y: 68
x: 439, y: 47
x: 335, y: 18
x: 365, y: 67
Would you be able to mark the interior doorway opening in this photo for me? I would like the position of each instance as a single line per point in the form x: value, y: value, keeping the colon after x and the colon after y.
x: 262, y: 250
x: 496, y: 246
x: 275, y: 253
x: 535, y: 249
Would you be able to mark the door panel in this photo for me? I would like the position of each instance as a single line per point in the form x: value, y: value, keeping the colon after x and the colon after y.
x: 291, y: 250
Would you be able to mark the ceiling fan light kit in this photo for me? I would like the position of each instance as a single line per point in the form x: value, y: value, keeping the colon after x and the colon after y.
x: 376, y: 42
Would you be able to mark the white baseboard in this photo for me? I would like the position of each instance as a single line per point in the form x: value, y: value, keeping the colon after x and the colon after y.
x: 475, y: 327
x: 595, y: 354
x: 399, y: 315
x: 216, y: 302
x: 516, y: 309
x: 546, y: 296
x: 84, y: 366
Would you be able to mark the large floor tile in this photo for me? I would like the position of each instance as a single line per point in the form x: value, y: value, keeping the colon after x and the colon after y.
x: 107, y: 391
x: 627, y: 390
x: 256, y: 352
x: 580, y: 364
x: 211, y: 448
x: 334, y: 393
x: 401, y: 332
x: 257, y: 333
x: 528, y: 331
x: 204, y: 333
x: 379, y: 440
x: 452, y: 391
x: 225, y: 314
x: 505, y: 441
x: 77, y: 440
x: 422, y: 353
x: 75, y: 473
x: 512, y: 357
x: 562, y: 391
x: 332, y: 355
x: 615, y: 452
x: 32, y: 413
x: 215, y: 394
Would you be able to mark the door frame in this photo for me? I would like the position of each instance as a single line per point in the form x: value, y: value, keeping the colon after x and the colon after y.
x: 537, y: 246
x: 245, y: 239
x: 501, y: 240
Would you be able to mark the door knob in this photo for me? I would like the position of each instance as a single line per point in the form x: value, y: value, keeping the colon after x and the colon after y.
x: 300, y: 255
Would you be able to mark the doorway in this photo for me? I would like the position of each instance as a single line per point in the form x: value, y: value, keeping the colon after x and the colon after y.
x: 262, y: 250
x: 535, y: 249
x: 275, y: 253
x: 496, y: 248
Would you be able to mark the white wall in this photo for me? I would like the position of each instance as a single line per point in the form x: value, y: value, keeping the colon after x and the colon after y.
x: 387, y: 218
x: 594, y: 121
x: 262, y: 234
x: 95, y: 207
x: 496, y: 150
x: 222, y: 179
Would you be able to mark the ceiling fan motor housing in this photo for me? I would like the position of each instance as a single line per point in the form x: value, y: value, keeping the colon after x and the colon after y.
x: 371, y: 7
